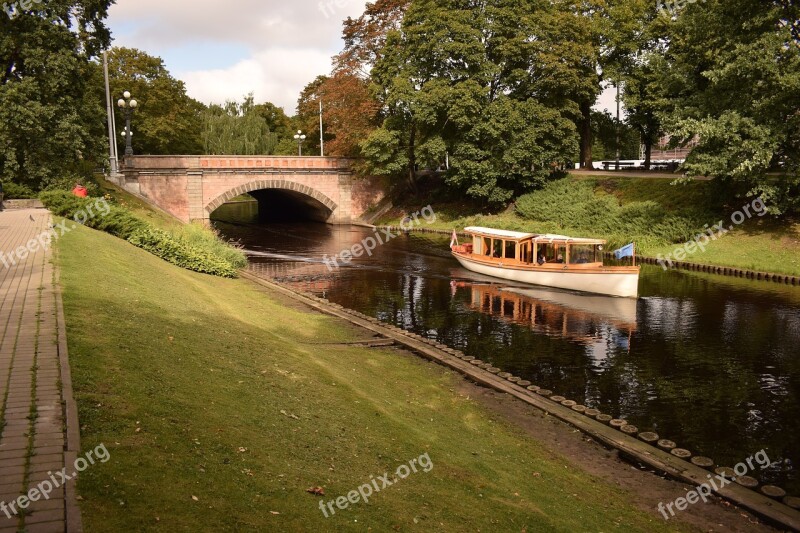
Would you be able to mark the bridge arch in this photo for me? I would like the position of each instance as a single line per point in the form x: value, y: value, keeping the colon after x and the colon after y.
x: 317, y: 205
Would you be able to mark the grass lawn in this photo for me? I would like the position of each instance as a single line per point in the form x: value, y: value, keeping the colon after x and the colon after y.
x: 759, y: 244
x: 221, y: 406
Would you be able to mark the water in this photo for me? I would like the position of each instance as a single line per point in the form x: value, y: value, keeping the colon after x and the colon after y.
x: 710, y: 362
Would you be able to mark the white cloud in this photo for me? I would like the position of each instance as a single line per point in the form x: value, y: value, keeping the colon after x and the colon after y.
x: 276, y: 75
x: 285, y: 44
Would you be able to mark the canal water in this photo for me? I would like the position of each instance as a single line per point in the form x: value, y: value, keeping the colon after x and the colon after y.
x: 710, y: 362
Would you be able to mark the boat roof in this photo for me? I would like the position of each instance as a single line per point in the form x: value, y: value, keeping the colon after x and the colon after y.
x: 516, y: 235
x: 520, y: 236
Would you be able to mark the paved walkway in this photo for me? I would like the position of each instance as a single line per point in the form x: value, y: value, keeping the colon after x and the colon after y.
x: 34, y: 410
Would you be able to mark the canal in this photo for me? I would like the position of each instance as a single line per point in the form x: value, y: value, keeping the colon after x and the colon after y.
x: 710, y: 362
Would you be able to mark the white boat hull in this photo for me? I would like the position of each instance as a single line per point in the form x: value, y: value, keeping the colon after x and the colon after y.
x: 622, y: 284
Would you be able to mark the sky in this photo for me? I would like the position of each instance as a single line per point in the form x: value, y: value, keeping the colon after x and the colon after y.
x: 225, y: 50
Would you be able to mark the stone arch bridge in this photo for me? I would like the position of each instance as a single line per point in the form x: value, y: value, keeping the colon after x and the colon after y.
x: 192, y: 187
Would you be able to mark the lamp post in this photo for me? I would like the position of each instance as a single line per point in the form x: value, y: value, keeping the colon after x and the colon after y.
x: 300, y: 138
x: 129, y: 105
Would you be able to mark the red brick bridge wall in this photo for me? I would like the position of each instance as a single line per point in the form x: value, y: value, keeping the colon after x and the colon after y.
x: 192, y: 187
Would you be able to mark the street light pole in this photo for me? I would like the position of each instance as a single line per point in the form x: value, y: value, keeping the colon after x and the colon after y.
x: 129, y: 105
x: 321, y: 136
x: 618, y: 140
x: 300, y: 138
x: 112, y: 152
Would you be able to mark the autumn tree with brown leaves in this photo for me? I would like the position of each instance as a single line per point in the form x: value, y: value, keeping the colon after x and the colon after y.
x: 350, y: 111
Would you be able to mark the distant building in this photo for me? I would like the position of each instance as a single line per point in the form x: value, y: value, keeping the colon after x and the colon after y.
x: 661, y: 152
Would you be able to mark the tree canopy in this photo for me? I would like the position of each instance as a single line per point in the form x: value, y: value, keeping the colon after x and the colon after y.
x: 51, y: 122
x: 167, y: 121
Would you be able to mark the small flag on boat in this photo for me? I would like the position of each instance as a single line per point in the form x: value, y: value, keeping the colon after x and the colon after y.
x: 625, y: 251
x: 454, y: 239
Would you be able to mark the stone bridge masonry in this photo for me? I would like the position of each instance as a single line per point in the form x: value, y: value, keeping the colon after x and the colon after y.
x: 192, y: 187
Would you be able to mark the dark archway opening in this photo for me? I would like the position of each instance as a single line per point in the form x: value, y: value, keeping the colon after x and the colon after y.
x: 272, y: 205
x: 282, y: 205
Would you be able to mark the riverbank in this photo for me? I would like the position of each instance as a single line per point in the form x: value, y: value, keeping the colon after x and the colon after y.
x: 759, y: 244
x: 222, y: 404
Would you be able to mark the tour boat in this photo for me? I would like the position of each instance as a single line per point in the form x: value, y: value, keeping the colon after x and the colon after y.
x: 548, y: 260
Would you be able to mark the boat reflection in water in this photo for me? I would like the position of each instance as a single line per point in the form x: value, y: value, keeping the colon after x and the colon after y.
x: 597, y: 322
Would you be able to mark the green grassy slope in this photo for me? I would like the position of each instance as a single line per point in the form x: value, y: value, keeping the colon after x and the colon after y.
x: 221, y: 406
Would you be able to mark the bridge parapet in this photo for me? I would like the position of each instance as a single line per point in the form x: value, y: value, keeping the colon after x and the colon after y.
x: 226, y: 162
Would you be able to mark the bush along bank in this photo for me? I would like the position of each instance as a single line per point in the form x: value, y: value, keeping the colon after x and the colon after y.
x: 191, y: 247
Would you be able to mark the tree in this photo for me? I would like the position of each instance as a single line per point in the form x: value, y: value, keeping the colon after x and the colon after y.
x: 365, y: 37
x: 610, y: 134
x: 167, y: 121
x: 237, y: 129
x: 730, y: 77
x: 601, y: 38
x: 643, y: 97
x: 462, y: 79
x: 51, y: 122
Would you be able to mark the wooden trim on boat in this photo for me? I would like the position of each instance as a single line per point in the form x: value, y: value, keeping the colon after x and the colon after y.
x: 590, y: 268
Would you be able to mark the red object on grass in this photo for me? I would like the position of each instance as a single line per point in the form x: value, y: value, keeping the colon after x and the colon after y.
x: 80, y: 191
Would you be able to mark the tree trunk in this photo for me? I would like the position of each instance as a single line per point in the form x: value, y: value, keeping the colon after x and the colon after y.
x: 586, y: 135
x: 412, y: 160
x: 648, y: 150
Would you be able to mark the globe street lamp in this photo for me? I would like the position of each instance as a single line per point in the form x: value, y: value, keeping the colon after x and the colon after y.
x: 300, y: 138
x: 129, y: 105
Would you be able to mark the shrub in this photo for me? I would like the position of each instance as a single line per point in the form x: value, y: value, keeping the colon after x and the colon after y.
x: 192, y: 247
x: 183, y: 253
x: 14, y: 191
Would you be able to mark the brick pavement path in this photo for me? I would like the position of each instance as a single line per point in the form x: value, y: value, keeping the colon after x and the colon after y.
x: 35, y: 411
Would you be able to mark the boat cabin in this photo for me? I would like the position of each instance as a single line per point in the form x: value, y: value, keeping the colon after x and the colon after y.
x: 531, y: 249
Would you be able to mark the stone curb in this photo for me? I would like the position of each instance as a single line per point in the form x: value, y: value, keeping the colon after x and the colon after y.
x: 72, y: 444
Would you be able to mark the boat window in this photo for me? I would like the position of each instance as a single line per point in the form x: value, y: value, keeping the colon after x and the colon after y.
x: 497, y: 249
x: 511, y: 250
x: 526, y: 252
x: 476, y: 245
x: 581, y: 254
x: 487, y: 246
x: 547, y: 252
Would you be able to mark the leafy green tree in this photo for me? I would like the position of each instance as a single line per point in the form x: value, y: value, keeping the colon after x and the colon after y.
x: 599, y: 39
x: 51, y: 121
x: 610, y: 134
x: 461, y: 80
x: 167, y: 121
x: 237, y: 129
x: 643, y: 97
x: 731, y: 80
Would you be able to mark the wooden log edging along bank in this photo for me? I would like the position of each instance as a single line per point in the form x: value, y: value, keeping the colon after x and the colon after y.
x: 646, y: 448
x: 784, y: 279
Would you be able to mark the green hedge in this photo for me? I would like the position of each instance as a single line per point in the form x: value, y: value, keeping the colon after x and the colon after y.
x: 191, y: 247
x: 13, y: 191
